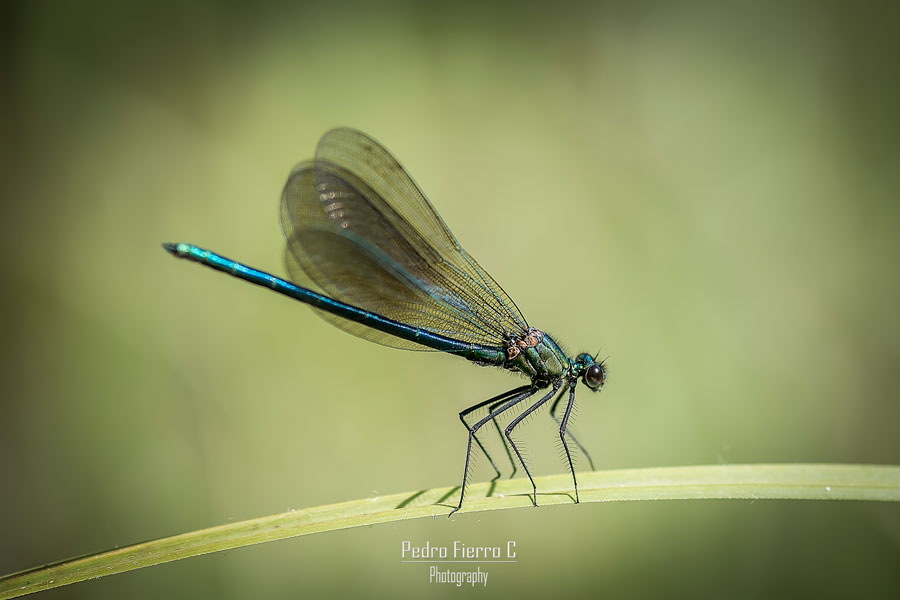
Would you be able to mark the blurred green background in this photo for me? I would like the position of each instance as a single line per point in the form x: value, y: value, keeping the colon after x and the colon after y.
x: 715, y: 190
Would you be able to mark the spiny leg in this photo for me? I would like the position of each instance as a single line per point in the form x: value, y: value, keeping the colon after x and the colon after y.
x: 530, y: 391
x: 569, y: 433
x: 494, y: 402
x: 512, y: 461
x: 518, y: 420
x: 563, y: 431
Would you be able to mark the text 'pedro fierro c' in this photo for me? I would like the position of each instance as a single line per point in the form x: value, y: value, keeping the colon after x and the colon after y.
x: 458, y: 552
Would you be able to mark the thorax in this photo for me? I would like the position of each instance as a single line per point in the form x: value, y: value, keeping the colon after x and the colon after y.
x: 537, y: 356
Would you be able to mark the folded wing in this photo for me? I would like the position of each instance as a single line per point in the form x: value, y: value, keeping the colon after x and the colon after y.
x: 359, y: 229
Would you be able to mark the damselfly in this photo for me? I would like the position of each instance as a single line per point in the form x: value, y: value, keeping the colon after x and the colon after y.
x: 369, y: 253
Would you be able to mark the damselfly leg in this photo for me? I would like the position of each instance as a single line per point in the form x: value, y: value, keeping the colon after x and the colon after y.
x: 493, y: 402
x: 528, y: 392
x: 517, y: 420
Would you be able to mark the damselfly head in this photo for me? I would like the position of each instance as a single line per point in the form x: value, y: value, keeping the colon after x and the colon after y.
x: 593, y: 373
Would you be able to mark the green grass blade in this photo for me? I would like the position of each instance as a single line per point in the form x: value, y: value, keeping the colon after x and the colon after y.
x: 776, y: 481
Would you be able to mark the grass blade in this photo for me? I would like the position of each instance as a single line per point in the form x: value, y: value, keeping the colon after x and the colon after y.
x: 772, y: 481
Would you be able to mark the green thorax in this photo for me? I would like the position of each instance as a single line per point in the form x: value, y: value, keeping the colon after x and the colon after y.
x: 537, y: 356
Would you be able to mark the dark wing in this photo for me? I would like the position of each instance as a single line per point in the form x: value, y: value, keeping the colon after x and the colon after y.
x: 359, y: 230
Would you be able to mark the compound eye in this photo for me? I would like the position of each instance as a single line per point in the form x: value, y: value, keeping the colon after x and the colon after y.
x: 594, y: 377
